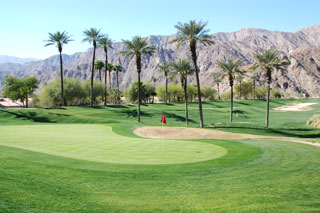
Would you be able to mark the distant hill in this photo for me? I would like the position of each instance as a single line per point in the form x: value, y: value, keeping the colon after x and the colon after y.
x: 302, y: 48
x: 11, y: 59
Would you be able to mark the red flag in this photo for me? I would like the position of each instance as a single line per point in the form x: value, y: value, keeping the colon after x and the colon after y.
x: 163, y: 119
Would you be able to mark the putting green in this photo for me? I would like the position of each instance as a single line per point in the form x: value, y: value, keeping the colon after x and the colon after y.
x: 98, y: 143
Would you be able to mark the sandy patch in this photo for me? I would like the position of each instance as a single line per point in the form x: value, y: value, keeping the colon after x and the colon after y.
x: 296, y: 107
x: 195, y: 133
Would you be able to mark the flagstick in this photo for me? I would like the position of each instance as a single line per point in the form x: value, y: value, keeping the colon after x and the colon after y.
x: 162, y: 138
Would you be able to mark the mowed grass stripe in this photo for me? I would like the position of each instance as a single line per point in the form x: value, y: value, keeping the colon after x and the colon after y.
x: 98, y: 143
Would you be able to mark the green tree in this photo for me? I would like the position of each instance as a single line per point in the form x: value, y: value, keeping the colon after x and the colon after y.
x: 183, y: 68
x: 246, y: 89
x: 217, y: 79
x: 20, y: 89
x: 194, y: 32
x: 138, y: 47
x: 117, y: 69
x: 92, y: 36
x: 99, y: 66
x: 110, y: 69
x: 98, y: 88
x: 165, y: 69
x: 74, y: 93
x: 268, y: 60
x: 115, y: 95
x: 59, y: 39
x: 105, y: 42
x: 208, y: 93
x: 229, y: 69
x: 239, y: 77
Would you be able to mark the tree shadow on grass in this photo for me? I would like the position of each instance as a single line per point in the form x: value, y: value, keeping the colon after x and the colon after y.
x: 131, y: 113
x: 33, y: 116
x: 178, y: 117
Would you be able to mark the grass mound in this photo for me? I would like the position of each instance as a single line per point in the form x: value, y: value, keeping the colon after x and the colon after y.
x: 314, y: 121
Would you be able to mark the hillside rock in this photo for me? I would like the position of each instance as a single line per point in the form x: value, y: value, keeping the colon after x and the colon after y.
x: 302, y: 48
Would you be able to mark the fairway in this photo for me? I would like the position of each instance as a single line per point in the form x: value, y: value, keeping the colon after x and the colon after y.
x: 98, y: 143
x: 88, y: 159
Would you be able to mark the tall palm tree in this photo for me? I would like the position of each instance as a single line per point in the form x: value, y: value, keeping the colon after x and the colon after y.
x: 194, y: 32
x: 138, y: 47
x: 105, y: 42
x: 99, y: 66
x: 268, y: 60
x: 118, y: 69
x: 183, y: 68
x: 230, y: 69
x: 92, y: 36
x: 165, y: 69
x: 217, y: 78
x: 59, y: 39
x: 110, y: 69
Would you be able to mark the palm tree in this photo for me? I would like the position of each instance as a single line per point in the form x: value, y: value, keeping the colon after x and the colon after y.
x: 268, y: 60
x: 240, y: 77
x: 165, y: 69
x: 118, y: 69
x: 92, y: 36
x: 110, y: 69
x: 217, y: 78
x: 138, y: 47
x: 230, y: 68
x: 59, y: 39
x: 105, y: 42
x: 194, y: 32
x: 183, y: 68
x: 99, y: 66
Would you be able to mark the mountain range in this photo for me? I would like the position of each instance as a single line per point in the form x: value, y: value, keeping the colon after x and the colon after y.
x: 11, y: 59
x: 302, y: 48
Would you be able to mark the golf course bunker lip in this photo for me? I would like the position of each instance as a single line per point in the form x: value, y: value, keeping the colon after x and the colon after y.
x: 296, y: 107
x: 157, y: 132
x: 98, y: 143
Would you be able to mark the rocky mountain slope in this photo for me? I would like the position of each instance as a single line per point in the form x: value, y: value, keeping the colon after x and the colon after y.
x: 11, y: 59
x: 301, y: 47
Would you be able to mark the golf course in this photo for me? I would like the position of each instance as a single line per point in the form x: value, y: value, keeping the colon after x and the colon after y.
x: 100, y: 159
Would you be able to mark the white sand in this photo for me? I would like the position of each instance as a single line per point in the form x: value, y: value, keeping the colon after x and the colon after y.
x: 296, y: 107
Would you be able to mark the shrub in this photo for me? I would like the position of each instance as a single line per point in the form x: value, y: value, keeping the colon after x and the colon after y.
x: 314, y: 121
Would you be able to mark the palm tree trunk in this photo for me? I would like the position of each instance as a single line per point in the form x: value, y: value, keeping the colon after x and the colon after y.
x: 138, y: 62
x: 219, y: 92
x: 186, y: 100
x: 194, y: 60
x: 254, y: 90
x: 267, y: 114
x: 231, y: 103
x: 240, y: 91
x: 27, y: 101
x: 118, y: 80
x: 92, y: 72
x: 61, y: 77
x: 109, y: 79
x: 105, y: 78
x: 166, y: 98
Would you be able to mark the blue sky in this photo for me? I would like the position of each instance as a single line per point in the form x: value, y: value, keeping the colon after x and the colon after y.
x: 25, y: 23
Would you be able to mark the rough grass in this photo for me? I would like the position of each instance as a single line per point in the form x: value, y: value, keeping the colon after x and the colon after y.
x: 314, y: 121
x: 254, y: 176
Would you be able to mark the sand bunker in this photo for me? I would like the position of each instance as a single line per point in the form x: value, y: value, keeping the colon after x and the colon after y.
x: 195, y: 133
x: 296, y: 107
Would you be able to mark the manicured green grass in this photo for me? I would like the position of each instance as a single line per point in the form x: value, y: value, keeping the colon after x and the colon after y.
x: 47, y: 175
x: 98, y: 143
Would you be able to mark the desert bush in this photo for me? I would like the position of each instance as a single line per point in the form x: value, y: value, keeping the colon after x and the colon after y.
x: 314, y: 121
x: 208, y: 93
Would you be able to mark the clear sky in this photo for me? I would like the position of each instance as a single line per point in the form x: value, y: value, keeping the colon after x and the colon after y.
x: 25, y: 24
